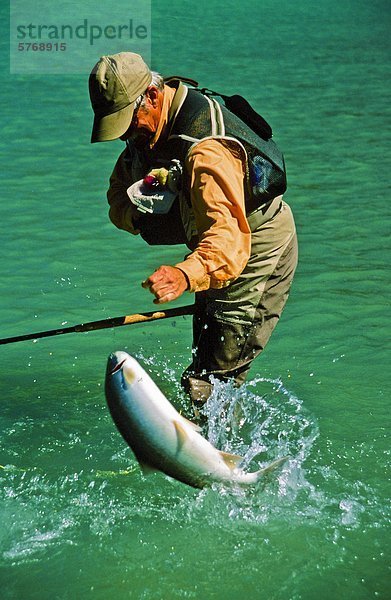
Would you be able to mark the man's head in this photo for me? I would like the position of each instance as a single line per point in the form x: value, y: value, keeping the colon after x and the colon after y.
x: 116, y: 83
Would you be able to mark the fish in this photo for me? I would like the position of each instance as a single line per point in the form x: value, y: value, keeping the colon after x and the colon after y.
x: 161, y: 438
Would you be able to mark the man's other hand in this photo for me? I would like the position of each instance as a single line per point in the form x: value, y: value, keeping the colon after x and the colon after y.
x: 166, y: 284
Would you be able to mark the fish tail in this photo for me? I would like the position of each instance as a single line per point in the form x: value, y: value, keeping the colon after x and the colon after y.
x: 270, y: 468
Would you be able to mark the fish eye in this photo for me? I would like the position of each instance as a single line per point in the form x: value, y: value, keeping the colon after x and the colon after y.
x: 129, y: 374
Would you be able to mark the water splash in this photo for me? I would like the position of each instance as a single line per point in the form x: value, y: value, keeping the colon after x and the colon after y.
x: 107, y: 494
x: 260, y: 419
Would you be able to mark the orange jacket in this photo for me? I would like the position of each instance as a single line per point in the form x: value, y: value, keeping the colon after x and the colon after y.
x: 217, y: 198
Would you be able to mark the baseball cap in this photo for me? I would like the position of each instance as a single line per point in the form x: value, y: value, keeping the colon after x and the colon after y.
x: 115, y: 83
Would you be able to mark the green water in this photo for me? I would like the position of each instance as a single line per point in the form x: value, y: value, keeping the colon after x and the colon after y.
x: 78, y: 520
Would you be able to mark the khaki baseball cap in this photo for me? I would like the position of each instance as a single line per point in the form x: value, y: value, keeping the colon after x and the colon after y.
x: 115, y: 83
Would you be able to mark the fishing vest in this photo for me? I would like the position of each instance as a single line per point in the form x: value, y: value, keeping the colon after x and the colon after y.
x: 195, y: 117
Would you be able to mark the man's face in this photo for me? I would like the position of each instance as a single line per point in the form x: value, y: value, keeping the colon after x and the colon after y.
x: 145, y: 119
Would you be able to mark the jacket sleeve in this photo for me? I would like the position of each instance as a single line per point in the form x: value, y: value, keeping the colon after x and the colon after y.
x: 217, y: 197
x: 121, y: 211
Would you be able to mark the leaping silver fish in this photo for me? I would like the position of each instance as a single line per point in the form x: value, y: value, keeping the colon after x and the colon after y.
x: 161, y: 438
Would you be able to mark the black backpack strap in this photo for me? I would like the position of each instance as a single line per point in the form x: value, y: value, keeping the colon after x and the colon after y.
x: 238, y: 105
x: 187, y: 80
x: 242, y: 109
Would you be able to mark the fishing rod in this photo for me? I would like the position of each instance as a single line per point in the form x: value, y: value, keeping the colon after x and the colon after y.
x: 104, y: 324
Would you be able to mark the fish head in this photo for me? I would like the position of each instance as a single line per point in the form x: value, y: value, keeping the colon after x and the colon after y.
x: 116, y: 361
x: 122, y: 374
x: 122, y: 368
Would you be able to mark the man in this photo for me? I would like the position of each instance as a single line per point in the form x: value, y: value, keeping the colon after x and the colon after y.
x: 226, y: 205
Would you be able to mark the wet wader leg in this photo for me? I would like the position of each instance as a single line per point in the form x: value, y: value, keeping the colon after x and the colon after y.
x: 271, y: 305
x: 226, y: 349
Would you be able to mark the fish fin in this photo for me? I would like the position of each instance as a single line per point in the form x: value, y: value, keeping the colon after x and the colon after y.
x: 147, y: 469
x: 181, y: 434
x: 191, y: 424
x: 271, y: 467
x: 231, y: 460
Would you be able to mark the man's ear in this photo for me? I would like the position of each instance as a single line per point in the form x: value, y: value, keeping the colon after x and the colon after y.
x: 152, y: 94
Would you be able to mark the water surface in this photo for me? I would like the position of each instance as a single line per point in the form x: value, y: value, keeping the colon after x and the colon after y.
x: 78, y: 518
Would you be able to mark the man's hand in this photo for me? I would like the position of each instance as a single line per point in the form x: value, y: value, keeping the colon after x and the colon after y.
x: 166, y: 283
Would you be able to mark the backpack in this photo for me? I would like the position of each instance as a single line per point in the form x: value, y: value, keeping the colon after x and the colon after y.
x: 238, y: 105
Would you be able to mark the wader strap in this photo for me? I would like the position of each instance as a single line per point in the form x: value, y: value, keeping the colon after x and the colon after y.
x: 219, y: 118
x: 177, y: 103
x: 216, y: 117
x: 187, y: 138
